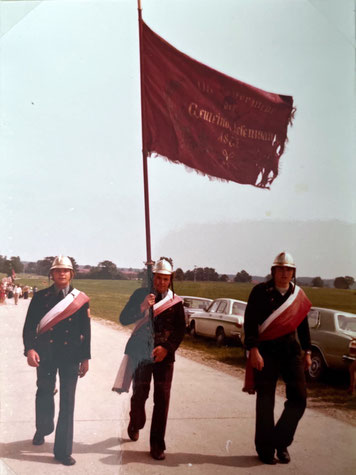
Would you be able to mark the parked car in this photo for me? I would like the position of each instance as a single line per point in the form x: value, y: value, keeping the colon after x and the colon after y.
x: 333, y: 338
x: 223, y: 319
x: 193, y: 305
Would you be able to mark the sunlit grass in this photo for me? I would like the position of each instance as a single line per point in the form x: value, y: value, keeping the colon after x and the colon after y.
x: 108, y: 297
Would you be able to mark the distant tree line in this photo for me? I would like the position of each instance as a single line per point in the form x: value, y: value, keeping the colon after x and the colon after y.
x: 9, y: 265
x: 42, y: 266
x: 343, y: 282
x: 198, y: 273
x: 339, y: 282
x: 108, y: 270
x: 205, y: 274
x: 104, y: 270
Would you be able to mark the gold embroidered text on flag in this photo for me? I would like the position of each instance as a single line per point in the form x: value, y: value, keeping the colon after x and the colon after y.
x: 217, y: 125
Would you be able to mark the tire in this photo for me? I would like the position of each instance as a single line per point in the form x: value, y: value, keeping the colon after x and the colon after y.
x: 220, y: 336
x: 318, y: 366
x: 192, y: 329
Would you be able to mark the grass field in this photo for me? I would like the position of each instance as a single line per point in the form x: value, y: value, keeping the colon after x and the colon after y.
x: 108, y: 297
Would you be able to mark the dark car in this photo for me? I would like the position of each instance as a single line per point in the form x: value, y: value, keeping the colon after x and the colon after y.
x: 333, y: 338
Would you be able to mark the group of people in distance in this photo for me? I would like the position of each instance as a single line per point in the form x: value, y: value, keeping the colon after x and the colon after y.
x: 56, y: 337
x: 14, y: 291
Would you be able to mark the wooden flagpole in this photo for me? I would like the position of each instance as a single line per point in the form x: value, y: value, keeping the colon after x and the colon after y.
x: 149, y: 262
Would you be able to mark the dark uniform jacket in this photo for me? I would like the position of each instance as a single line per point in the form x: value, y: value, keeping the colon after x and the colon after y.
x: 167, y: 329
x: 263, y: 300
x: 68, y: 341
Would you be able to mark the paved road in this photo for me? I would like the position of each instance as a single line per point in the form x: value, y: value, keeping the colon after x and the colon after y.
x: 210, y: 426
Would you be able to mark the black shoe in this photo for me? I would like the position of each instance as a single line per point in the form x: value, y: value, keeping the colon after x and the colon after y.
x: 68, y: 460
x: 283, y: 455
x: 133, y: 434
x: 157, y: 454
x: 267, y: 459
x: 38, y: 438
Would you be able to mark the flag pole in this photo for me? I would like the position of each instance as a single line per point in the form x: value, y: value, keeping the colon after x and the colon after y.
x: 149, y: 262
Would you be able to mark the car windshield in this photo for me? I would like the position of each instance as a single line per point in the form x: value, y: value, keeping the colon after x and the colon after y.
x: 213, y: 307
x: 195, y: 303
x: 347, y: 322
x: 222, y: 307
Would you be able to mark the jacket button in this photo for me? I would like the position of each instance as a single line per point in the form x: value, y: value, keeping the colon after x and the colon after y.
x: 51, y: 341
x: 51, y: 329
x: 69, y: 319
x: 66, y: 343
x: 67, y: 331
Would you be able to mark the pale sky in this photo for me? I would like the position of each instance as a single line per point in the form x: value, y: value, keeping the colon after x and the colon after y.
x: 71, y: 165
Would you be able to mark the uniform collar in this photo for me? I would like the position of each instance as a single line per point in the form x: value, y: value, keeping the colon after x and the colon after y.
x: 65, y: 291
x: 271, y: 287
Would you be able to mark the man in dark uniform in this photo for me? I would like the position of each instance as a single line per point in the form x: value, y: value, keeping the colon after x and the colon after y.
x: 275, y: 310
x: 56, y: 336
x: 151, y: 350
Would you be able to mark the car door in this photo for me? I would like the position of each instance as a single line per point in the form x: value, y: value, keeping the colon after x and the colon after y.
x: 206, y: 324
x: 202, y: 319
x: 335, y: 342
x: 217, y: 318
x: 234, y: 320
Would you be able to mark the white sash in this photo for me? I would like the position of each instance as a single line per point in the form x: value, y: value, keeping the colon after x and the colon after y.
x: 57, y: 309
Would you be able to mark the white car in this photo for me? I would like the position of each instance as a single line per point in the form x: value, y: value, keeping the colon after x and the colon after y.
x: 224, y: 318
x: 193, y: 305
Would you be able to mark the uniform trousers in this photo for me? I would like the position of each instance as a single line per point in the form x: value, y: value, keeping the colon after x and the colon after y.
x: 270, y: 436
x: 162, y: 379
x: 46, y: 381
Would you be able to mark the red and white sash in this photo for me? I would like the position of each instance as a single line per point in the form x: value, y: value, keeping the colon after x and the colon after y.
x: 285, y: 319
x: 62, y: 310
x: 168, y: 301
x: 124, y: 375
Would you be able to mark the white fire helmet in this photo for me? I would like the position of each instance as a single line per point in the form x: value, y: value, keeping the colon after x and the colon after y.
x: 284, y: 259
x: 62, y: 262
x: 163, y: 266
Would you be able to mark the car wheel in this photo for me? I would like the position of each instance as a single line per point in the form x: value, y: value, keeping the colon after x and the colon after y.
x: 318, y: 366
x: 192, y: 331
x: 220, y: 336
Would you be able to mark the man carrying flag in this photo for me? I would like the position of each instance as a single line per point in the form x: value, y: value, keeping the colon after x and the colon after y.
x: 56, y: 336
x: 275, y: 310
x: 150, y: 352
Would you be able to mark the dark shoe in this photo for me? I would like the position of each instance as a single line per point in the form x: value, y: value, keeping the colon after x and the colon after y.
x: 69, y: 460
x: 38, y: 438
x: 267, y: 459
x: 283, y: 455
x: 133, y: 434
x: 157, y: 454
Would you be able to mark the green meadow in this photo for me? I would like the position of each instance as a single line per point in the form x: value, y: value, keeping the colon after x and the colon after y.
x: 108, y: 297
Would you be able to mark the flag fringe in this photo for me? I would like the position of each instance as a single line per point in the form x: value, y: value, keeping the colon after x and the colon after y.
x: 265, y: 177
x: 259, y: 183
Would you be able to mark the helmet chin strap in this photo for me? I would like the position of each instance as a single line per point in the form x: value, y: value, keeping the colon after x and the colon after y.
x: 171, y: 284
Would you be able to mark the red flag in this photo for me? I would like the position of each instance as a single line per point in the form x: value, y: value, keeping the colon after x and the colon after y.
x: 195, y: 115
